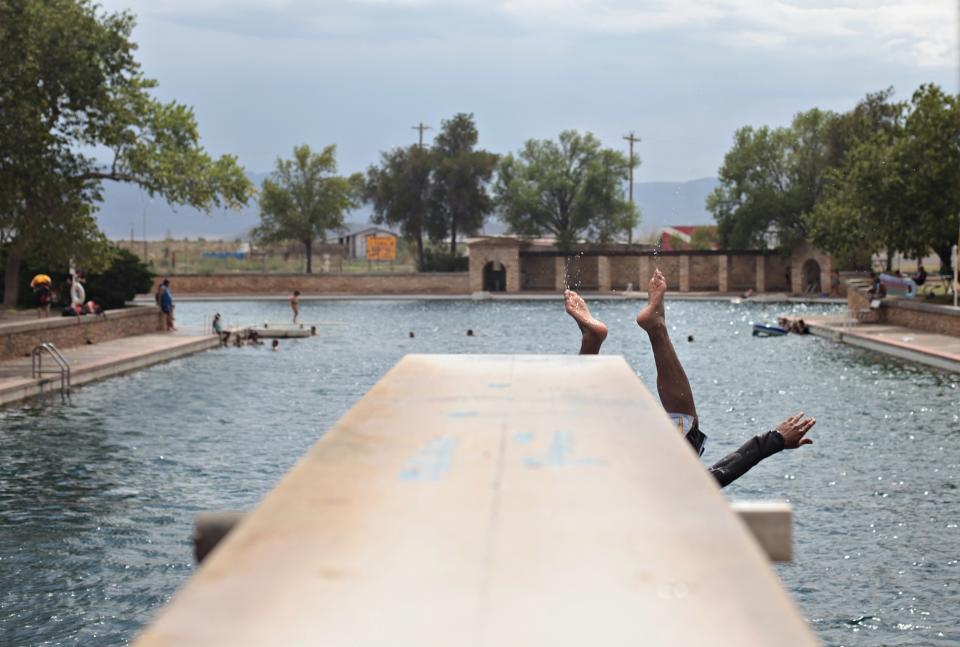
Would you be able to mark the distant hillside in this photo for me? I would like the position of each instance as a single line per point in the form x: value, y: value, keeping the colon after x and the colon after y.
x: 661, y: 203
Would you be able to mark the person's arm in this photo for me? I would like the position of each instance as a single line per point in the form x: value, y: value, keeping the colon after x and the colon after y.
x: 789, y: 434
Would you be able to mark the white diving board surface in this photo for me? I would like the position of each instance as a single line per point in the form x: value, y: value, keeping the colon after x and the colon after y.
x: 490, y: 500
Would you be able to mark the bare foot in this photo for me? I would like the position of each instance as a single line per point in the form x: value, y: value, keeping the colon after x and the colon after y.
x: 594, y: 331
x: 652, y: 316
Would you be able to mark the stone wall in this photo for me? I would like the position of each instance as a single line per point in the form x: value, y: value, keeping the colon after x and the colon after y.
x: 625, y: 271
x: 615, y: 267
x: 908, y: 313
x: 704, y: 273
x: 857, y: 299
x: 582, y: 273
x: 776, y: 273
x: 670, y: 266
x: 801, y: 256
x: 20, y: 338
x: 312, y: 284
x: 539, y: 273
x: 921, y: 316
x: 742, y: 273
x: 480, y: 254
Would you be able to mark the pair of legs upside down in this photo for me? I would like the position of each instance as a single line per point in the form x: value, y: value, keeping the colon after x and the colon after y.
x: 674, y: 388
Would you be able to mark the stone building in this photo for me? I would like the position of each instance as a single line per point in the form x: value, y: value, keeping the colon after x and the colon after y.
x: 505, y: 264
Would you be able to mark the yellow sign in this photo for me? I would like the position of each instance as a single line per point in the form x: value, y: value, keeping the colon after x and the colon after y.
x: 381, y: 248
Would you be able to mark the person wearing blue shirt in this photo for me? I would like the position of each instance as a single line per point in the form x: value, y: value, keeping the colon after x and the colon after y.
x: 166, y: 304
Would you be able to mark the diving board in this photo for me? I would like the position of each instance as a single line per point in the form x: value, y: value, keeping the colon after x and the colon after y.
x: 490, y: 500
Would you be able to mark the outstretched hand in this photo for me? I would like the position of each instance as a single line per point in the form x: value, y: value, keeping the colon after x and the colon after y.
x: 794, y: 430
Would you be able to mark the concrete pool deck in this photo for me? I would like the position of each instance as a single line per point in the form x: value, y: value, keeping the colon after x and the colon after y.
x: 99, y: 361
x: 941, y: 351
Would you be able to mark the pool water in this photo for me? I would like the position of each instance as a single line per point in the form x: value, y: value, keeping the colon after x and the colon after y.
x: 97, y: 497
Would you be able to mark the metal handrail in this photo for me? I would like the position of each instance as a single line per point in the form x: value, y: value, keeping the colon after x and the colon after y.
x: 63, y: 366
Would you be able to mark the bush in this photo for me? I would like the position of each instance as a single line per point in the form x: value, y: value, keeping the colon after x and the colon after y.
x: 440, y: 262
x: 126, y: 277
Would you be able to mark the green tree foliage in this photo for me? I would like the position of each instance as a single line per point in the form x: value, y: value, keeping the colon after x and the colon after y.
x: 571, y: 188
x: 399, y: 190
x: 897, y: 188
x: 69, y: 85
x: 861, y: 205
x: 126, y: 277
x: 770, y: 179
x: 929, y: 155
x: 704, y: 238
x: 303, y: 199
x: 459, y: 202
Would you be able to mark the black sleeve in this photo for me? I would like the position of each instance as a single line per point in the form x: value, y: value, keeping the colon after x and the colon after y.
x: 733, y: 466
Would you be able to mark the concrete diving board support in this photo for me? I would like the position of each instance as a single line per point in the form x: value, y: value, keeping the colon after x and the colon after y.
x: 491, y: 500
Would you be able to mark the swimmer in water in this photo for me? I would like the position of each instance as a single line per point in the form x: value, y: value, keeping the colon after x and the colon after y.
x: 674, y: 389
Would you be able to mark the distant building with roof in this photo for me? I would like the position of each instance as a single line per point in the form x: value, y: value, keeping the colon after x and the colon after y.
x: 353, y: 240
x: 686, y: 237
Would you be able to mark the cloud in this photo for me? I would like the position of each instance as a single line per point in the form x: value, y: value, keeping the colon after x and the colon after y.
x: 921, y: 32
x: 915, y: 32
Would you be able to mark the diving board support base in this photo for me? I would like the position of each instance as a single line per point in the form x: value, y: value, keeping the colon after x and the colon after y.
x: 770, y: 523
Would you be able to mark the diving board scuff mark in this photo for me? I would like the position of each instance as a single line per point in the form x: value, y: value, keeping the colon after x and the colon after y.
x: 432, y: 462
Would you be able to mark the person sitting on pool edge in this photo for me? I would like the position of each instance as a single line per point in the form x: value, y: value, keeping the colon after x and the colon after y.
x: 674, y: 389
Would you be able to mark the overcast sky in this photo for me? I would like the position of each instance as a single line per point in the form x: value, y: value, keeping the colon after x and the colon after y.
x: 265, y: 75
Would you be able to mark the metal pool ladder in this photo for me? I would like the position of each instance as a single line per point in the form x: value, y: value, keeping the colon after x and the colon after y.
x: 63, y: 367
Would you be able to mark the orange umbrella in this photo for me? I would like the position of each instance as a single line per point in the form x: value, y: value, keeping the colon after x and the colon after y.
x: 40, y: 279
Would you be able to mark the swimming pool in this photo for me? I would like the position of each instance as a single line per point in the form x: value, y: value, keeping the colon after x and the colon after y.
x: 97, y: 498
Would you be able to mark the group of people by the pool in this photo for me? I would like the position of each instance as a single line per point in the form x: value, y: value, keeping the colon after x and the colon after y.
x: 674, y: 390
x: 798, y: 326
x: 241, y: 338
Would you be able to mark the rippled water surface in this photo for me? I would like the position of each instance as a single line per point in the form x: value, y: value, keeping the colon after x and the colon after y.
x: 97, y: 497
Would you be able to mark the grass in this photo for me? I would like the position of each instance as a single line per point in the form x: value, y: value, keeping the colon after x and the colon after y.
x: 187, y: 257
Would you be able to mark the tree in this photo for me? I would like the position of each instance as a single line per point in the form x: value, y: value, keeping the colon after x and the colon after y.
x: 303, y: 199
x: 897, y: 187
x: 69, y: 84
x: 703, y: 238
x: 571, y: 188
x: 770, y: 179
x: 399, y: 189
x: 863, y: 205
x: 929, y: 156
x: 459, y: 201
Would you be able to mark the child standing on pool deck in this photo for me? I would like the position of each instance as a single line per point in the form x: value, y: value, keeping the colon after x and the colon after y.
x: 295, y: 305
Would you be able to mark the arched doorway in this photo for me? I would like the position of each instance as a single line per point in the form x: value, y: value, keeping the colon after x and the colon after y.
x: 494, y: 277
x: 811, y: 277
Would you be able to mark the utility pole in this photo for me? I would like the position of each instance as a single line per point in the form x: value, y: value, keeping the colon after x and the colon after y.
x: 421, y: 127
x: 145, y: 252
x: 632, y: 138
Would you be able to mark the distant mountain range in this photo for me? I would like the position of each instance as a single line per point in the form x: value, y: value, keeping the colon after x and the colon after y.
x: 127, y: 210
